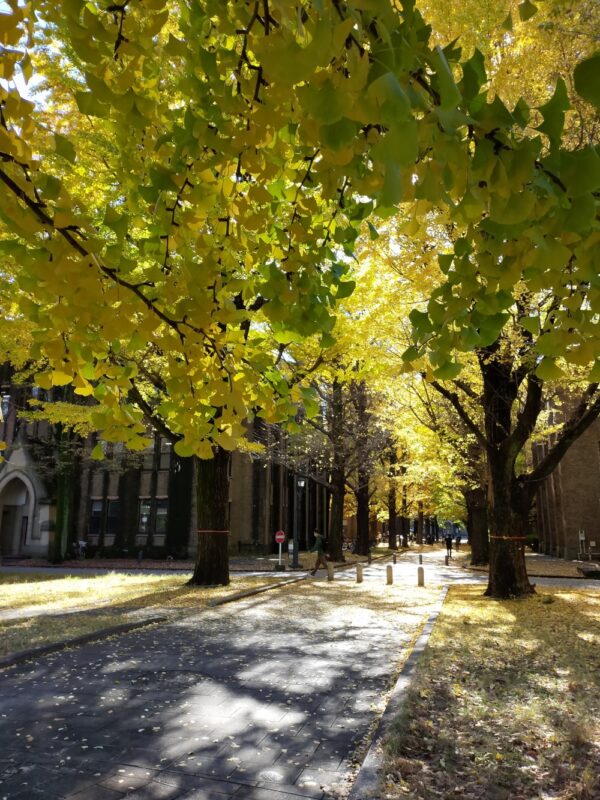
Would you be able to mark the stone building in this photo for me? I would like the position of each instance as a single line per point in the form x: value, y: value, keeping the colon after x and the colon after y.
x: 54, y: 499
x: 568, y: 502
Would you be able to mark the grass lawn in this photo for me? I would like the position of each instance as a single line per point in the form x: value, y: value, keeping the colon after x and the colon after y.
x: 43, y: 609
x: 505, y: 704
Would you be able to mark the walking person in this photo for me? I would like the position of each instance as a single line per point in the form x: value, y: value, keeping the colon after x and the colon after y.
x: 319, y: 549
x: 448, y: 541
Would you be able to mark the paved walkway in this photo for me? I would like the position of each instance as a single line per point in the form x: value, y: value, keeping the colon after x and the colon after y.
x: 264, y: 699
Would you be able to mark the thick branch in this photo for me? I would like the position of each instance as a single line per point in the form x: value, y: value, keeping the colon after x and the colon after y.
x: 527, y: 418
x: 454, y: 399
x: 583, y: 416
x: 151, y: 416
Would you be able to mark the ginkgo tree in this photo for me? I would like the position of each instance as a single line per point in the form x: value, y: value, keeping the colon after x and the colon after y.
x: 243, y: 144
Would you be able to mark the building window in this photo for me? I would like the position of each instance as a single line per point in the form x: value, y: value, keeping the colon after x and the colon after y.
x: 162, y: 505
x: 95, y: 517
x: 148, y: 457
x: 165, y: 454
x: 144, y: 515
x: 112, y: 516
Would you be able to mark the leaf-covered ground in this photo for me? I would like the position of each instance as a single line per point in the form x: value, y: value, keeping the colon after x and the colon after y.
x: 42, y: 609
x: 505, y: 704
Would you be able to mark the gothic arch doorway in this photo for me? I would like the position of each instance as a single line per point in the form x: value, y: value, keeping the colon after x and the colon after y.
x: 15, y: 516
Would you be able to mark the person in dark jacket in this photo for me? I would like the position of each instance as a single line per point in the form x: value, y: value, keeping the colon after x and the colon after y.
x: 319, y: 549
x: 448, y: 541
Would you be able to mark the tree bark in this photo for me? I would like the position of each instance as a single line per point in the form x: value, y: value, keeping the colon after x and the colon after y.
x: 335, y: 537
x: 362, y: 517
x: 508, y: 573
x: 212, y: 561
x: 392, y: 519
x: 392, y: 507
x: 420, y: 521
x: 336, y: 518
x: 405, y: 517
x: 477, y: 525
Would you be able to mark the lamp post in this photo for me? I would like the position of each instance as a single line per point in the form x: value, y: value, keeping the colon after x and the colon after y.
x: 298, y: 494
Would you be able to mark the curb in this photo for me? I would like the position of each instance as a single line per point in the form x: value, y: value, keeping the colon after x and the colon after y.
x: 366, y: 784
x: 251, y: 592
x: 103, y: 633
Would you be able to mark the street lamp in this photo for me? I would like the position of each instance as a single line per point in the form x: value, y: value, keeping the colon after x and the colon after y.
x: 298, y: 494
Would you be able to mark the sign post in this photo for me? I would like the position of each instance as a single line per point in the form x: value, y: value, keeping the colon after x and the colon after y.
x: 280, y: 539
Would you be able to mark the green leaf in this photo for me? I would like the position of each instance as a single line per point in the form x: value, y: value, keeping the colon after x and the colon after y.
x: 474, y: 75
x: 98, y: 452
x: 325, y: 103
x: 587, y: 82
x: 548, y: 370
x: 445, y: 261
x: 594, y: 376
x: 448, y: 371
x: 64, y: 147
x: 420, y: 321
x: 553, y: 113
x: 327, y: 340
x: 527, y: 10
x: 531, y: 324
x: 522, y: 113
x: 491, y: 326
x: 387, y: 92
x: 410, y: 354
x: 339, y: 134
x: 580, y: 170
x: 449, y: 92
x: 184, y: 449
x: 88, y: 105
x: 507, y: 24
x: 344, y: 289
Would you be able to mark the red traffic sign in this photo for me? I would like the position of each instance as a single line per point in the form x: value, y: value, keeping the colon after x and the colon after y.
x: 280, y: 537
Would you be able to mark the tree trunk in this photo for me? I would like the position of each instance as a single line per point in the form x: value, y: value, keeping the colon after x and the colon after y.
x: 477, y: 525
x: 420, y: 521
x: 335, y: 538
x: 392, y: 519
x: 212, y: 561
x: 362, y: 517
x: 336, y: 518
x: 508, y: 573
x: 405, y: 517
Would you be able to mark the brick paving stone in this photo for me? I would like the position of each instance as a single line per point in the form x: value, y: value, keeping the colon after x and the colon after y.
x: 94, y: 793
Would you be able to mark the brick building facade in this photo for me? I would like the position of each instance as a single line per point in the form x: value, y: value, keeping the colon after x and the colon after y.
x: 53, y: 496
x: 568, y: 502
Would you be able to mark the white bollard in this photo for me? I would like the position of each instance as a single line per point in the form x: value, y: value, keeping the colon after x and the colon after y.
x: 420, y: 576
x: 390, y: 575
x: 359, y: 573
x: 329, y: 571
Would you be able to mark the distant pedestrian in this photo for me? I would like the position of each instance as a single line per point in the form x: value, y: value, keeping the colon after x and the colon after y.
x: 319, y: 549
x: 457, y: 540
x: 448, y: 541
